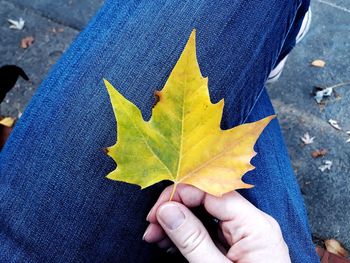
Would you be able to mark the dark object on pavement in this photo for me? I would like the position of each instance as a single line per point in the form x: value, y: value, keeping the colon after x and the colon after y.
x: 8, y: 77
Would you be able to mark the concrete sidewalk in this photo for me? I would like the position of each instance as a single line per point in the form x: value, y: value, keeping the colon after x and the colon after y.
x: 54, y: 24
x: 326, y: 194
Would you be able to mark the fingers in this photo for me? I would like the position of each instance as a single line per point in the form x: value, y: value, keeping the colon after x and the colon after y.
x: 186, y: 194
x: 233, y: 231
x: 165, y: 243
x: 248, y: 250
x: 230, y: 206
x: 154, y: 233
x: 249, y: 232
x: 225, y: 208
x: 240, y: 250
x: 188, y: 233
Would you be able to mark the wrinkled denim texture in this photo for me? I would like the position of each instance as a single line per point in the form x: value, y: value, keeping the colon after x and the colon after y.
x: 56, y: 204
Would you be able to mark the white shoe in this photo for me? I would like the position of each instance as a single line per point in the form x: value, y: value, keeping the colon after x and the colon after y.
x: 305, y: 26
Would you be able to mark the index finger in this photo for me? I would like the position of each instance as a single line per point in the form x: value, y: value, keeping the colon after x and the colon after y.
x: 228, y: 207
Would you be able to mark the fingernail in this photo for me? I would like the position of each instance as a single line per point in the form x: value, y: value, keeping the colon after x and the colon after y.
x: 146, y: 232
x: 148, y: 215
x: 171, y: 216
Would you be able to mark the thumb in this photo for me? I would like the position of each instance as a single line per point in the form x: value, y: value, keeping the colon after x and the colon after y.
x: 188, y: 234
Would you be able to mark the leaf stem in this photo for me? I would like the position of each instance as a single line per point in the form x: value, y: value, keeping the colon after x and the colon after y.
x: 173, y: 192
x: 339, y: 85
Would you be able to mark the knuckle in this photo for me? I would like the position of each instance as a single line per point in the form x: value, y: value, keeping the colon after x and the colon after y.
x: 273, y: 224
x: 273, y: 227
x: 229, y: 232
x: 193, y: 241
x: 236, y: 253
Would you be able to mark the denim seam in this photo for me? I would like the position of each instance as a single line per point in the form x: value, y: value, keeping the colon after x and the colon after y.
x: 281, y: 48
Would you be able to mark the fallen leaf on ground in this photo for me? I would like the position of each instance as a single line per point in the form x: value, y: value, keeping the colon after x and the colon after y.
x: 325, y: 92
x: 27, y: 42
x: 327, y: 164
x: 334, y: 246
x: 182, y: 142
x: 318, y: 63
x: 6, y: 126
x: 307, y: 139
x: 348, y: 133
x: 334, y: 124
x: 319, y: 153
x: 16, y: 24
x: 321, y: 94
x: 57, y: 30
x: 7, y: 121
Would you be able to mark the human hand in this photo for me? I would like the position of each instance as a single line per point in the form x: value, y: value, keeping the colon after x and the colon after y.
x: 248, y: 234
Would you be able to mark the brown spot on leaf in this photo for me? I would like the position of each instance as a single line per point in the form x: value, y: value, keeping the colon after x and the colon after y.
x: 157, y: 96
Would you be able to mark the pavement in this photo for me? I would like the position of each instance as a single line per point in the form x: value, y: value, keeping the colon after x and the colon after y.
x: 326, y: 194
x: 54, y: 25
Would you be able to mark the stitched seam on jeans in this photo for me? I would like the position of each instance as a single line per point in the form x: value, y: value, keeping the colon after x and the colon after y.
x: 260, y: 92
x: 252, y: 107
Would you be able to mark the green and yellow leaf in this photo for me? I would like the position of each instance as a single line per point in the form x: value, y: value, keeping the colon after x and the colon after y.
x: 183, y: 141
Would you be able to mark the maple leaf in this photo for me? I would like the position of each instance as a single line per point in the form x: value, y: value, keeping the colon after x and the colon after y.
x: 319, y: 153
x: 182, y: 142
x: 307, y: 139
x: 16, y: 24
x: 27, y: 42
x: 334, y: 124
x: 7, y: 121
x: 318, y: 63
x: 327, y: 164
x: 6, y: 126
x: 334, y: 246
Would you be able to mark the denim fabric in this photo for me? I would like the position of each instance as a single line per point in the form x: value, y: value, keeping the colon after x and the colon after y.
x: 293, y: 32
x: 56, y: 204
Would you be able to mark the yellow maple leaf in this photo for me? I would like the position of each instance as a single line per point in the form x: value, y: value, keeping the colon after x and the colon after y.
x: 183, y: 141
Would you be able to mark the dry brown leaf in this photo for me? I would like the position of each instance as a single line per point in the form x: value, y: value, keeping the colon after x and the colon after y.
x: 7, y: 121
x: 27, y: 42
x: 319, y: 153
x: 6, y: 125
x: 318, y: 63
x: 335, y: 247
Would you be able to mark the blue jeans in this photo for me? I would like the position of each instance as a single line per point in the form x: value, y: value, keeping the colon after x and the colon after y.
x: 56, y: 204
